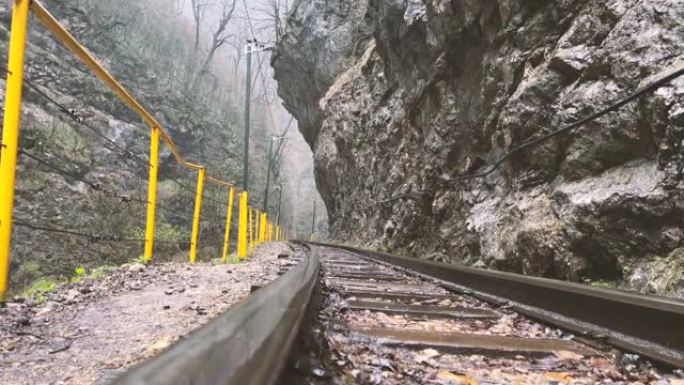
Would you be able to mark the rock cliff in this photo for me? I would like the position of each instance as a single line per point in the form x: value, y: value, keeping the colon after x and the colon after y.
x: 398, y: 98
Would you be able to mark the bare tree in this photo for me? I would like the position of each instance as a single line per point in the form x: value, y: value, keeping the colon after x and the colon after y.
x: 198, y: 7
x: 220, y: 37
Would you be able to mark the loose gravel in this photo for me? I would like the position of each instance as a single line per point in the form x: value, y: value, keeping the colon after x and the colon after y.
x: 91, y: 331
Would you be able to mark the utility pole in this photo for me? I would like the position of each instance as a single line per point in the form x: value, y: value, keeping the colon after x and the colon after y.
x: 252, y: 47
x: 280, y: 201
x: 268, y: 172
x: 248, y: 102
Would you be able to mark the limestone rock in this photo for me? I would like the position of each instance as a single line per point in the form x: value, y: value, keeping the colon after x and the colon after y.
x: 400, y: 98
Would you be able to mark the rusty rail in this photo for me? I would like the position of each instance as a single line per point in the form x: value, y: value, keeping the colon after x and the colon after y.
x: 646, y: 325
x: 247, y: 345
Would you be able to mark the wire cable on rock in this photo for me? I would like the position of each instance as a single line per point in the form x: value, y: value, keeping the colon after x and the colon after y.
x: 655, y: 85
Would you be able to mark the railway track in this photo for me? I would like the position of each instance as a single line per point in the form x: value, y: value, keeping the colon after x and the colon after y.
x: 367, y: 319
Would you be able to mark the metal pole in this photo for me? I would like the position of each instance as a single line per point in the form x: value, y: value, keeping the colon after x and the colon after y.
x: 242, y: 227
x: 10, y: 133
x: 196, y: 215
x: 268, y: 175
x: 152, y: 194
x: 229, y: 220
x: 280, y: 201
x: 248, y: 101
x: 250, y: 229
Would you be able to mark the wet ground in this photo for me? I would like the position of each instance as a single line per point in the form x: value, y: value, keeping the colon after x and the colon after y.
x: 405, y: 330
x: 90, y: 332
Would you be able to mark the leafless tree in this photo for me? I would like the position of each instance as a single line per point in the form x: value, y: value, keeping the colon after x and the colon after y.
x: 220, y: 36
x: 198, y: 8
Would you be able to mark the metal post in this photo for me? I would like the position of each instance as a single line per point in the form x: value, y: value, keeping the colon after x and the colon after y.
x: 251, y: 229
x: 248, y: 102
x: 196, y: 215
x: 152, y: 194
x: 268, y: 174
x: 10, y: 133
x: 229, y: 219
x: 256, y: 216
x: 242, y: 227
x: 280, y: 201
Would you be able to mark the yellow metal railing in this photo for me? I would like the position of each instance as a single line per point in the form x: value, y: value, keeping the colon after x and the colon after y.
x: 249, y: 222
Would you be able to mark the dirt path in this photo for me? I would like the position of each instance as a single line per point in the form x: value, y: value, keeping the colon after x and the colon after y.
x: 89, y: 332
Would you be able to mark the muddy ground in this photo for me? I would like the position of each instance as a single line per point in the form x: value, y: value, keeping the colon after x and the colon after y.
x: 91, y: 331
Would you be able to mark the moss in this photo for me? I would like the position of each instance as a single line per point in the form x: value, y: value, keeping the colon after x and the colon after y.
x: 39, y: 288
x: 79, y: 274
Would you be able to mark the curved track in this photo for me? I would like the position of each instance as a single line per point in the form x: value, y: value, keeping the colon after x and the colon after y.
x: 384, y: 319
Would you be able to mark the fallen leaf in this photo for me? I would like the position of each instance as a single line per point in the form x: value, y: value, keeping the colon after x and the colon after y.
x: 461, y: 379
x: 158, y: 346
x: 561, y: 377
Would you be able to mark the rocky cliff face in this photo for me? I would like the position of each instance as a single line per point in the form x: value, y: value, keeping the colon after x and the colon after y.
x: 398, y: 98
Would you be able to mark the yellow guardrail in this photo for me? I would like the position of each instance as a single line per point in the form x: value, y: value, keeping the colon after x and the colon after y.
x: 10, y: 138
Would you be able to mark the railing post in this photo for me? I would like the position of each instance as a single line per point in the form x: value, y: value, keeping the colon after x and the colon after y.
x: 272, y: 232
x: 262, y: 224
x: 196, y: 215
x: 152, y: 194
x: 257, y: 227
x: 242, y: 227
x: 251, y: 229
x: 229, y: 218
x: 10, y: 133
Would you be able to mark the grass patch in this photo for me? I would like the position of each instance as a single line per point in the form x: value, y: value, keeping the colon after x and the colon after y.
x: 39, y: 288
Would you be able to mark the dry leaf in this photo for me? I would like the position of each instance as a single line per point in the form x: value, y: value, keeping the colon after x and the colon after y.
x: 158, y: 346
x: 561, y: 377
x: 461, y: 379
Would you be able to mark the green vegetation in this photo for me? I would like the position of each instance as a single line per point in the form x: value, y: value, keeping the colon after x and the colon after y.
x: 39, y: 288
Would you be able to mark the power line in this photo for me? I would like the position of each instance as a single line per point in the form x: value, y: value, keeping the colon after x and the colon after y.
x: 261, y: 74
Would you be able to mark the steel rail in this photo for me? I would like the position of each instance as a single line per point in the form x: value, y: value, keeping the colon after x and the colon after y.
x: 247, y: 345
x: 647, y: 325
